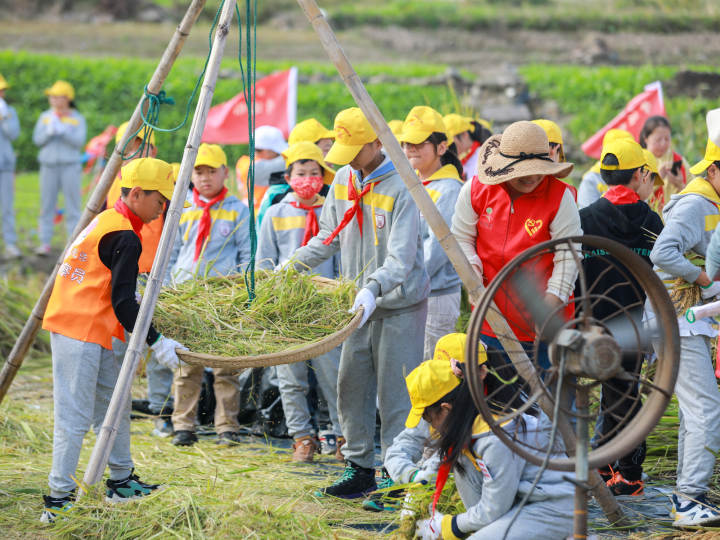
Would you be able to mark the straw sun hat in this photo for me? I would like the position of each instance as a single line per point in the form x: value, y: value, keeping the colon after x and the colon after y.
x: 521, y: 150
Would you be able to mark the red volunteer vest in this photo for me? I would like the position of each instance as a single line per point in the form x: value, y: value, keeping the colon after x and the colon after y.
x: 507, y: 227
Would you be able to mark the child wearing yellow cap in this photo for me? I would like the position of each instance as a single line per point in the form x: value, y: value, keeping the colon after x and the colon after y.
x: 311, y: 130
x: 490, y: 478
x: 622, y: 215
x: 466, y: 136
x: 370, y: 217
x: 592, y: 185
x: 655, y: 135
x: 60, y: 134
x: 92, y: 301
x: 554, y: 134
x: 287, y: 226
x: 690, y: 218
x: 425, y: 143
x: 9, y: 131
x: 212, y: 240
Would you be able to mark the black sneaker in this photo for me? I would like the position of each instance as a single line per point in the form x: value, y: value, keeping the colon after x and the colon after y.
x: 130, y: 488
x: 606, y: 473
x: 184, y: 438
x: 354, y: 483
x: 229, y: 438
x: 384, y: 498
x: 55, y: 507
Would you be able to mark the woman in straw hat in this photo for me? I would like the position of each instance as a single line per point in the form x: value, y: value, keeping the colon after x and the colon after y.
x: 515, y: 202
x: 9, y: 131
x: 60, y: 135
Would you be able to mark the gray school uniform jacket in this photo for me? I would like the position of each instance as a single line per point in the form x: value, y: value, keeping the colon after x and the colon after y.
x: 227, y: 249
x: 281, y: 233
x: 404, y: 456
x: 591, y: 188
x: 690, y: 220
x: 9, y: 131
x: 64, y: 147
x: 387, y: 258
x: 443, y: 187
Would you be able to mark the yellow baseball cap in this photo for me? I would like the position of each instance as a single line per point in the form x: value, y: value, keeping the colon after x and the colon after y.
x: 396, y: 127
x: 149, y: 174
x: 352, y: 132
x: 420, y: 123
x: 308, y: 150
x: 552, y: 130
x: 455, y: 124
x: 309, y: 130
x: 652, y: 164
x: 3, y: 83
x: 61, y: 88
x: 211, y: 155
x: 615, y: 134
x: 176, y: 170
x: 434, y: 378
x: 628, y: 153
x: 712, y: 154
x: 141, y: 134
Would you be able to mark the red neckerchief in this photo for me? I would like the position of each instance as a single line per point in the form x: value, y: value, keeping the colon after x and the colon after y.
x: 353, y: 211
x: 311, y: 222
x: 205, y: 221
x: 440, y: 479
x: 621, y: 195
x: 475, y: 146
x: 135, y: 221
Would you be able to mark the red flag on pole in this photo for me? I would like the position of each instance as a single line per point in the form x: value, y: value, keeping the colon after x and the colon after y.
x: 646, y: 104
x: 275, y: 105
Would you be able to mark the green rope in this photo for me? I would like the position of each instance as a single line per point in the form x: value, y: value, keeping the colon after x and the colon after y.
x: 249, y: 78
x: 150, y: 105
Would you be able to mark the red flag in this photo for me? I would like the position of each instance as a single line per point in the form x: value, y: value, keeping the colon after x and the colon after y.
x: 640, y: 108
x: 275, y: 105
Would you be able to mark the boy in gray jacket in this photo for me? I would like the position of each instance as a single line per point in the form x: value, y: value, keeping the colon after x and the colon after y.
x: 9, y: 131
x: 690, y: 219
x: 370, y: 217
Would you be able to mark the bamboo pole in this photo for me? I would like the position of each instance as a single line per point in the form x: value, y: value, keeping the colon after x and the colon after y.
x: 469, y: 277
x: 121, y: 393
x: 97, y: 198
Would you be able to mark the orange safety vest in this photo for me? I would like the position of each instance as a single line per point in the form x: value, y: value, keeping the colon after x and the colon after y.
x: 80, y: 306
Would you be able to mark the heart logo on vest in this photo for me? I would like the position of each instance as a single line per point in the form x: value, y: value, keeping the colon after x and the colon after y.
x: 533, y: 225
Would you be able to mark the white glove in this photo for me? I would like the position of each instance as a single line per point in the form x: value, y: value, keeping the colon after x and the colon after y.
x: 3, y: 107
x: 366, y: 299
x: 164, y: 349
x: 424, y: 476
x: 430, y: 528
x: 711, y: 291
x: 138, y: 297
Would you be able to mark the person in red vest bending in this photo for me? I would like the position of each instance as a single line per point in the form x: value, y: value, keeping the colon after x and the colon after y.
x: 515, y: 202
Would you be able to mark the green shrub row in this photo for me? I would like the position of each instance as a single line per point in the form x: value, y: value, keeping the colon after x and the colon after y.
x: 108, y: 89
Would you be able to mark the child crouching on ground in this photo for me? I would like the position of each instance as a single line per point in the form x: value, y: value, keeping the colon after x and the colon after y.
x: 212, y: 240
x: 287, y: 226
x: 93, y: 300
x: 490, y: 478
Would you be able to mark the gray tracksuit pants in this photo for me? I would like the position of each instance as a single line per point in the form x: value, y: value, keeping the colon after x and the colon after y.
x: 7, y: 206
x: 53, y: 178
x: 443, y: 313
x: 551, y: 519
x: 699, y: 413
x: 374, y: 362
x: 293, y: 384
x: 84, y: 376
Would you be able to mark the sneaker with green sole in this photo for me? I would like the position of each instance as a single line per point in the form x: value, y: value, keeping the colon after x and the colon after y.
x: 355, y: 482
x: 119, y: 491
x: 384, y: 498
x: 55, y: 507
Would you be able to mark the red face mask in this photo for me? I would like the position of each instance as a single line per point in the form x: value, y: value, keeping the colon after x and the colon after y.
x: 306, y: 187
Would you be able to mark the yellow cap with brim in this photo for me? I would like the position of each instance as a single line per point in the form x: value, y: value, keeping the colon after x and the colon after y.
x: 352, y: 132
x: 434, y: 379
x: 122, y: 128
x: 211, y: 155
x: 652, y: 164
x: 3, y: 83
x: 552, y: 130
x: 61, y: 88
x: 421, y: 122
x: 396, y: 127
x: 149, y: 174
x: 309, y: 130
x: 712, y: 154
x: 307, y: 150
x: 628, y: 153
x: 615, y: 134
x: 176, y: 170
x: 455, y: 124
